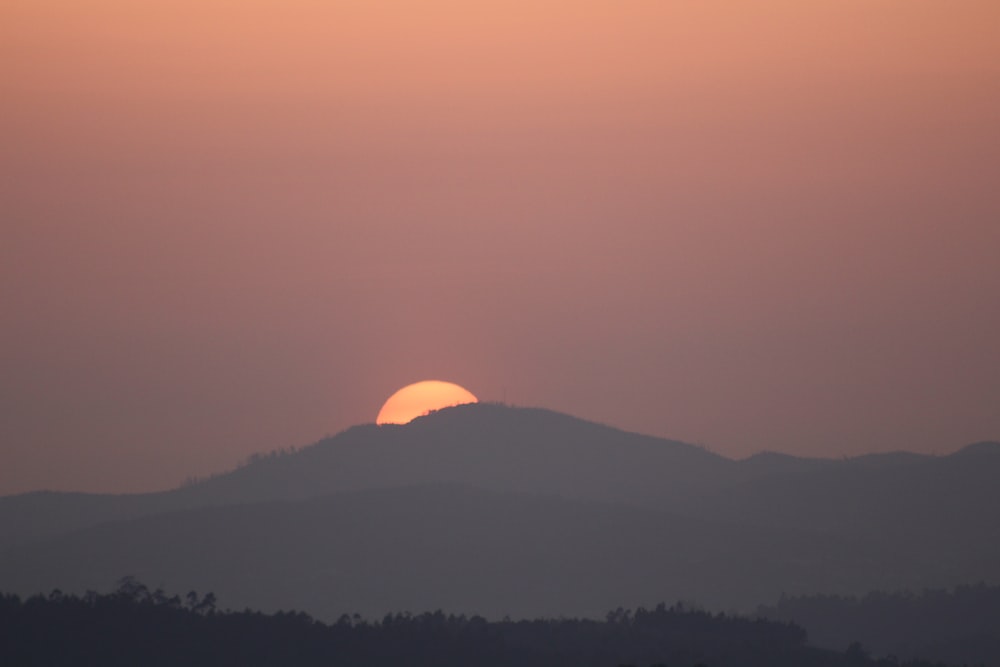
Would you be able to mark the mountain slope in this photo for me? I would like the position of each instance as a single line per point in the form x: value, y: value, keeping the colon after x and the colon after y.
x: 491, y: 446
x: 949, y: 503
x: 442, y: 546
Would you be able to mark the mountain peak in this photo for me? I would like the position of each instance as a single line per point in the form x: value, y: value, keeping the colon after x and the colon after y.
x: 490, y: 445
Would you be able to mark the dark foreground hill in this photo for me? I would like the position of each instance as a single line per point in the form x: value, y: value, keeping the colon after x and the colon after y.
x: 491, y: 509
x: 134, y: 626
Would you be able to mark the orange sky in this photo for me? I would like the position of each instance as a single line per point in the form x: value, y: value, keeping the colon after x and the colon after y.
x: 233, y: 226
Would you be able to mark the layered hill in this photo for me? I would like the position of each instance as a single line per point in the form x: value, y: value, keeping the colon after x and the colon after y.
x: 489, y: 446
x: 498, y: 510
x: 436, y: 546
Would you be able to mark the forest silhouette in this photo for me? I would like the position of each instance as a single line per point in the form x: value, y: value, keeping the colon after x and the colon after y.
x: 134, y: 625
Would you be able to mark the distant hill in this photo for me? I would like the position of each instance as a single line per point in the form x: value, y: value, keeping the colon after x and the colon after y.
x: 438, y: 546
x: 942, y: 510
x: 492, y: 509
x: 958, y: 627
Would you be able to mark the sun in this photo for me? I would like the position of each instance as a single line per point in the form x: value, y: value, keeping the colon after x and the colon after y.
x: 419, y: 398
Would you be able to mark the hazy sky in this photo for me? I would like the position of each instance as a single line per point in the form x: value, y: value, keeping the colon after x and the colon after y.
x: 234, y: 225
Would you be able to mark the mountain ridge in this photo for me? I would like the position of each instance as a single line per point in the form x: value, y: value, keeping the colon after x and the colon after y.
x: 589, y: 515
x: 532, y: 450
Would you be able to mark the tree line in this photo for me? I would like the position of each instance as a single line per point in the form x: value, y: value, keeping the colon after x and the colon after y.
x: 135, y: 625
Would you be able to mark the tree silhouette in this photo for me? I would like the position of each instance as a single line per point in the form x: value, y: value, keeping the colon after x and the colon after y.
x: 132, y: 626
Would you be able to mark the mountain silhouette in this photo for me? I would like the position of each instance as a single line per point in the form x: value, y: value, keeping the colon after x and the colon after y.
x: 498, y: 510
x: 486, y: 445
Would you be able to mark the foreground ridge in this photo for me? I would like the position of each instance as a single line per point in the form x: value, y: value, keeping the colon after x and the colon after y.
x: 135, y: 625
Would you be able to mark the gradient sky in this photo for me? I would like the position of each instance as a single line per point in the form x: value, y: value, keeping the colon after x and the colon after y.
x: 234, y: 225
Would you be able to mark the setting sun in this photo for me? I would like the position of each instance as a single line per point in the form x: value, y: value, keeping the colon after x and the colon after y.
x: 419, y: 398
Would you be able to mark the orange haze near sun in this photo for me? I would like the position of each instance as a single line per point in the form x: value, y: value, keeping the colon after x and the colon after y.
x: 419, y: 398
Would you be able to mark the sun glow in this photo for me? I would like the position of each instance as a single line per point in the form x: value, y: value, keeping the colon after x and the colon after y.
x: 419, y: 398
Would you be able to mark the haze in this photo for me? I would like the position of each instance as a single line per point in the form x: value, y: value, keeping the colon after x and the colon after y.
x: 234, y: 226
